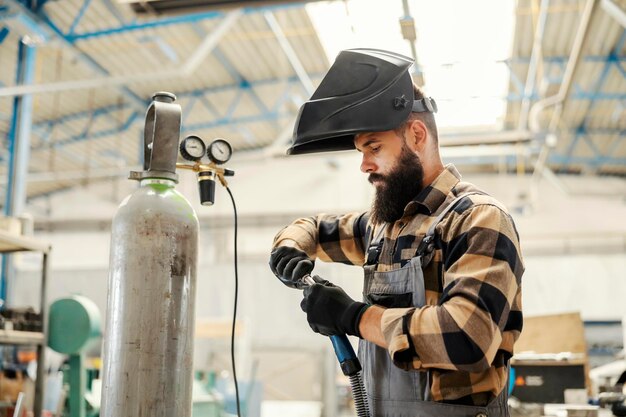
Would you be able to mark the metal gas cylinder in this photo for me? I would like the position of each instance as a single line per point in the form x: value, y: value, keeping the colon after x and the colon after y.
x: 148, y: 342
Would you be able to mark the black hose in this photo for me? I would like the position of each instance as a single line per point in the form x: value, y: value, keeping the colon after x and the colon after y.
x: 358, y: 393
x: 232, y: 333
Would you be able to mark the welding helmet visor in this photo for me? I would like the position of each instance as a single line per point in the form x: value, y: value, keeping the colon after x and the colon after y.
x: 365, y: 90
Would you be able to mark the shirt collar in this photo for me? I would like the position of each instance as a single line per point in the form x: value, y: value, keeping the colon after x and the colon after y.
x: 433, y: 195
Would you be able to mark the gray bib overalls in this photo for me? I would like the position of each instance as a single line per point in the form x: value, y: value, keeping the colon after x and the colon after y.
x: 392, y: 391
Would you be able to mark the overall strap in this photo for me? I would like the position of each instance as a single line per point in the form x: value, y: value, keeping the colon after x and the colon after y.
x: 427, y: 245
x: 375, y: 246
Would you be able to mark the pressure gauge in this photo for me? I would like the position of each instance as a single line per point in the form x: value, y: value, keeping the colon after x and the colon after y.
x: 192, y: 148
x: 219, y: 151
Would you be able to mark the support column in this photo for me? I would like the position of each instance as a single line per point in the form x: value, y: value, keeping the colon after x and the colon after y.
x: 19, y: 152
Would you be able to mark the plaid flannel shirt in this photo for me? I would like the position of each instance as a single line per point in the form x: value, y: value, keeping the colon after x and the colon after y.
x: 464, y: 335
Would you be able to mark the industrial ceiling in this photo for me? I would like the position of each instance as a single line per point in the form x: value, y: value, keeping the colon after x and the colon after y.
x: 91, y: 66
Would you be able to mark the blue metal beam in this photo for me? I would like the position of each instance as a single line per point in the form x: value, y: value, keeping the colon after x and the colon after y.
x: 207, y: 105
x: 577, y: 94
x: 519, y: 86
x: 19, y: 135
x: 134, y: 116
x: 114, y: 11
x: 169, y: 21
x: 4, y: 32
x: 618, y: 49
x: 234, y: 73
x: 79, y: 16
x: 148, y: 24
x: 618, y: 141
x: 565, y: 160
x: 200, y: 95
x: 155, y: 40
x: 84, y: 114
x: 266, y: 115
x: 596, y: 96
x: 43, y: 26
x: 26, y: 21
x: 562, y: 59
x: 19, y: 151
x: 189, y: 108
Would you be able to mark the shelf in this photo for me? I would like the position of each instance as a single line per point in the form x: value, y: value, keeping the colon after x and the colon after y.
x: 14, y: 243
x: 10, y: 242
x: 17, y: 337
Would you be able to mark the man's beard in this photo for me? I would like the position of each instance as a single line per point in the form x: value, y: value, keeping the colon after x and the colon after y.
x: 398, y: 187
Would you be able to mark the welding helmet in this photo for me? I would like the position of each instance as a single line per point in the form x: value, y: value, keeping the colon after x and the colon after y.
x: 365, y: 90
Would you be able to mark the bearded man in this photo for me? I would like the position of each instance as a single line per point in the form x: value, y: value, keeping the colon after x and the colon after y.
x: 442, y: 262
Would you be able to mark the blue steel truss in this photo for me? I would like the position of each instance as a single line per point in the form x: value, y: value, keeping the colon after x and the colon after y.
x: 4, y: 32
x: 136, y: 25
x: 613, y: 60
x: 195, y: 98
x: 36, y: 19
x: 33, y: 15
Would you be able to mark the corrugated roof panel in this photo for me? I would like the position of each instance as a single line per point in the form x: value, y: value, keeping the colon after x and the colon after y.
x: 524, y: 30
x: 45, y: 188
x: 604, y: 144
x: 220, y: 101
x: 620, y: 150
x: 554, y: 37
x: 606, y: 31
x: 268, y: 61
x: 594, y: 114
x: 98, y: 17
x: 270, y: 95
x: 300, y: 32
x: 614, y: 83
x: 123, y: 55
x: 56, y: 159
x: 585, y: 148
x: 266, y: 132
x: 250, y: 51
x: 62, y: 13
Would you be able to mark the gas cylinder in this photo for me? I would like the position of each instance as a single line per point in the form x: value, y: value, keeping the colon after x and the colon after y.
x: 148, y: 338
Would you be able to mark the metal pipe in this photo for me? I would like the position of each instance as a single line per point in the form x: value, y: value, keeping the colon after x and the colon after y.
x: 187, y: 68
x: 615, y: 11
x: 535, y: 59
x: 41, y: 349
x: 482, y: 138
x: 557, y: 100
x: 570, y: 69
x: 407, y: 26
x: 291, y: 54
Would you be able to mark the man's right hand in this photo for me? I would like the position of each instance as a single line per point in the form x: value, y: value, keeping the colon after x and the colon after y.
x: 290, y: 265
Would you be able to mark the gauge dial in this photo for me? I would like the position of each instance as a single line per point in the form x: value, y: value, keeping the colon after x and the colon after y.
x: 219, y: 151
x: 192, y: 148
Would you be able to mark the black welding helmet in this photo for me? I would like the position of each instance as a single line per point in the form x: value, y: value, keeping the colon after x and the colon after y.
x: 365, y: 90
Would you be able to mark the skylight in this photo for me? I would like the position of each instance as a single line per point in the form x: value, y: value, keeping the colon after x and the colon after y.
x: 460, y: 48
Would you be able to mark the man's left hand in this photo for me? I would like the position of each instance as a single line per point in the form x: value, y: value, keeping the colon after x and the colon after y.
x: 330, y: 311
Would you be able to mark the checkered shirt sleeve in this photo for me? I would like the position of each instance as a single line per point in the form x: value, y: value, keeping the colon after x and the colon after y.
x: 330, y: 238
x: 478, y: 316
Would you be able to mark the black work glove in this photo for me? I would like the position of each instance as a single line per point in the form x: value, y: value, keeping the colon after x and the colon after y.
x: 330, y: 311
x: 290, y: 265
